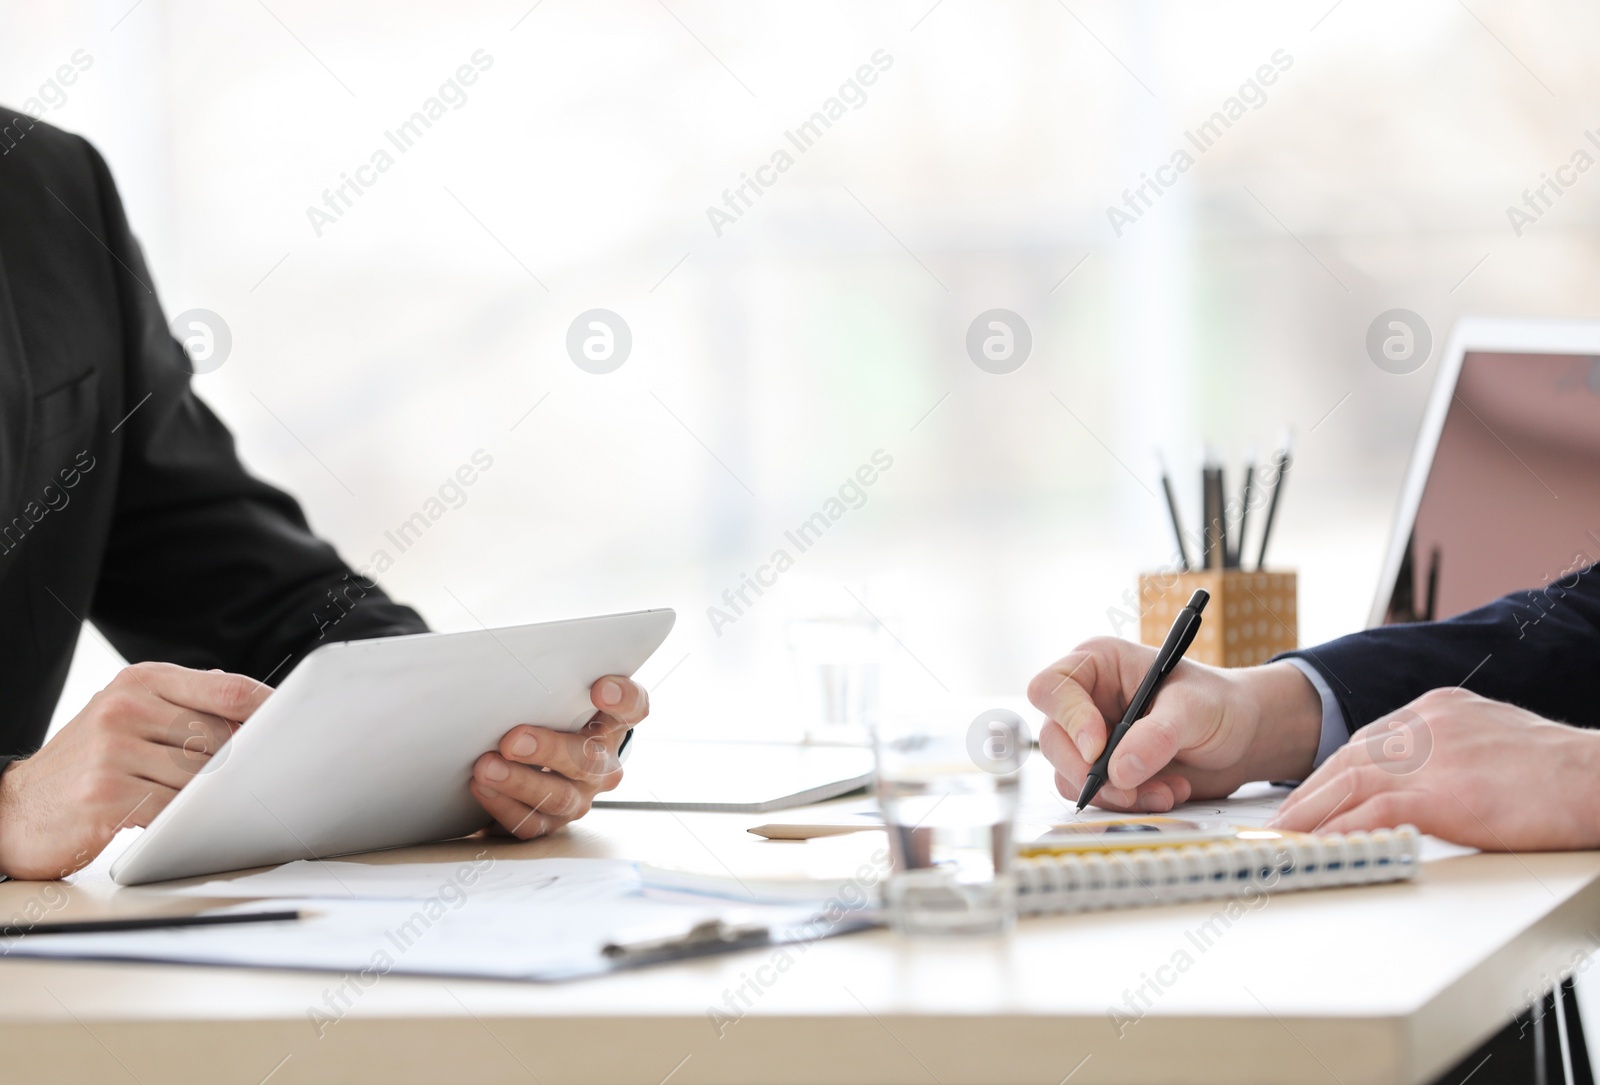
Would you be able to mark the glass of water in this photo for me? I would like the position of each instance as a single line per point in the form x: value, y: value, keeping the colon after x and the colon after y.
x: 837, y: 669
x: 948, y: 790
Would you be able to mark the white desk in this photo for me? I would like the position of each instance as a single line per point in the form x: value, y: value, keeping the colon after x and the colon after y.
x: 1381, y: 984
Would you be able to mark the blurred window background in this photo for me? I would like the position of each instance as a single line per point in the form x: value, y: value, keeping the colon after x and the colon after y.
x: 799, y: 291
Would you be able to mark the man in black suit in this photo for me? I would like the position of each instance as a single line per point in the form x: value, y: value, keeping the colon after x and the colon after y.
x: 122, y: 501
x: 1480, y: 729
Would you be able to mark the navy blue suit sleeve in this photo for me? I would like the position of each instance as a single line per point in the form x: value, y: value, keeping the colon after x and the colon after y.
x: 1537, y: 649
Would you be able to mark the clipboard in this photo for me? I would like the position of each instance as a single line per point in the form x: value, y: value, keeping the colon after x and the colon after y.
x: 710, y: 937
x: 609, y: 926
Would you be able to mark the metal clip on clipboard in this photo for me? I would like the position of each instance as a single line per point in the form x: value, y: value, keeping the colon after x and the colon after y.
x: 711, y: 936
x: 707, y: 936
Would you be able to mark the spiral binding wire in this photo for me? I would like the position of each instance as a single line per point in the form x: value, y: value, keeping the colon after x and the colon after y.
x: 1086, y: 881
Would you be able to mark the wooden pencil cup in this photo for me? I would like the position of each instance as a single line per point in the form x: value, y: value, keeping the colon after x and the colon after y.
x: 1252, y: 616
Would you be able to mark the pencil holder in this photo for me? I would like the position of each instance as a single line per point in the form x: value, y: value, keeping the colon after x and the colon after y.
x: 1252, y: 616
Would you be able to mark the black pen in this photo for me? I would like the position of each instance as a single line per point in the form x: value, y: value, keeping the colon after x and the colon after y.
x: 145, y: 923
x: 1179, y: 637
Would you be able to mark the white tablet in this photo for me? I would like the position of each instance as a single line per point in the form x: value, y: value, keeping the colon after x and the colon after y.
x: 370, y: 744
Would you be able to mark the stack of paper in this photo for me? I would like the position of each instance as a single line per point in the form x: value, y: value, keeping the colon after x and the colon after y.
x: 529, y: 919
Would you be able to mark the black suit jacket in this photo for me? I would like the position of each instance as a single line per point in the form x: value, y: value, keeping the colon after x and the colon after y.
x: 1539, y: 649
x: 122, y: 500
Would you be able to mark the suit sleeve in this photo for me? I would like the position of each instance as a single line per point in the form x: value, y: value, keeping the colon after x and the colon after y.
x: 1537, y: 649
x: 206, y: 565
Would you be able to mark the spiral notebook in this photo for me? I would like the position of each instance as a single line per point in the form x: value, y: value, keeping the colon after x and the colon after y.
x: 1081, y: 866
x: 1127, y: 864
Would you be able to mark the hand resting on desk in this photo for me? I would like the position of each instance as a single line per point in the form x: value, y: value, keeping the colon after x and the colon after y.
x: 1461, y: 767
x: 122, y: 759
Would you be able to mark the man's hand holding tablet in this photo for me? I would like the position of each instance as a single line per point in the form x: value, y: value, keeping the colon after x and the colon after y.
x: 538, y: 780
x: 126, y: 756
x: 117, y: 763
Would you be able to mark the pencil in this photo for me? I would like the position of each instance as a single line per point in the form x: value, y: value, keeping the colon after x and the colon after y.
x: 1244, y: 511
x: 1214, y: 554
x: 1283, y: 459
x: 1172, y: 510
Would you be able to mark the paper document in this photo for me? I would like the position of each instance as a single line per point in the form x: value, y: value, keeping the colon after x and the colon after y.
x: 550, y: 880
x: 1253, y: 805
x: 535, y: 919
x: 846, y: 869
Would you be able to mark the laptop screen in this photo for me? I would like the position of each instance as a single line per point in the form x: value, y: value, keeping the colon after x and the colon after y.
x: 1512, y: 500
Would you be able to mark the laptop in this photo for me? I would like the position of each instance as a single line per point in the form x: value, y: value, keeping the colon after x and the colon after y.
x: 1503, y: 490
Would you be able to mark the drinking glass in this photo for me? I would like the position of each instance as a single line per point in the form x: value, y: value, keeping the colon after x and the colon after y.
x: 948, y: 790
x: 838, y: 667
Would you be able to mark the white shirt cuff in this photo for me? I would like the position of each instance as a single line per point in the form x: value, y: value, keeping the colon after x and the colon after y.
x: 1335, y: 732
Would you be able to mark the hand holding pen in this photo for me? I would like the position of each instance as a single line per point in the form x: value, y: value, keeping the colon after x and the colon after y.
x: 1207, y: 730
x: 1179, y: 637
